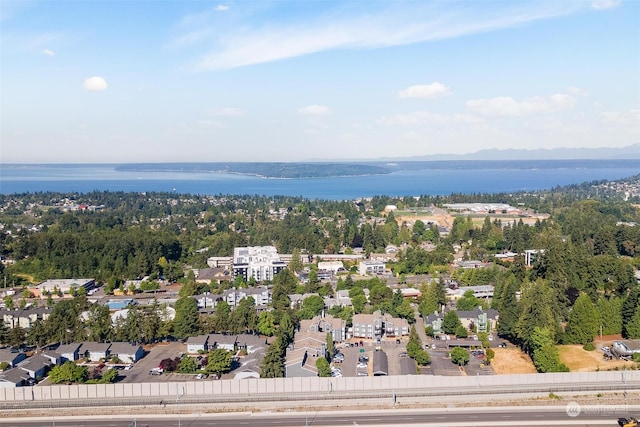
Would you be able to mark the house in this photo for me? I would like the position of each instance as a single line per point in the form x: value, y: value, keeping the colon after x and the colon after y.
x: 11, y: 357
x: 15, y: 377
x: 198, y: 344
x: 94, y: 351
x: 36, y: 366
x: 213, y: 274
x: 126, y: 352
x: 69, y: 351
x: 326, y: 324
x: 251, y: 343
x: 226, y: 342
x: 303, y: 353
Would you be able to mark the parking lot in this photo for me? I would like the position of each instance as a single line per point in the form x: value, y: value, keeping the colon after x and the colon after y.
x: 140, y: 370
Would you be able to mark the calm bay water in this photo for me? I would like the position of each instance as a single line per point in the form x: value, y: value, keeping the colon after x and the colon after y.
x: 411, y: 178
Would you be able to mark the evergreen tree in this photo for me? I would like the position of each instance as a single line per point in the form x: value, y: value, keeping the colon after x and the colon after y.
x: 583, y: 324
x: 266, y: 323
x: 185, y: 323
x: 536, y: 302
x: 273, y: 362
x: 509, y: 309
x: 451, y: 322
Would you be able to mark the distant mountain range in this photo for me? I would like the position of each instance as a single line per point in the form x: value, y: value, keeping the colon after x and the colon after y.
x: 629, y: 152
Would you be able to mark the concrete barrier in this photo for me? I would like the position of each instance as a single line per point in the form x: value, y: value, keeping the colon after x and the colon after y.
x: 291, y: 387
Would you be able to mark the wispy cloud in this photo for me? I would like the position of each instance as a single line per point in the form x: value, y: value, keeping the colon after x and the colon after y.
x: 314, y: 110
x: 48, y: 52
x: 432, y: 90
x: 629, y: 118
x: 604, y: 4
x: 507, y: 106
x: 357, y: 25
x: 226, y: 112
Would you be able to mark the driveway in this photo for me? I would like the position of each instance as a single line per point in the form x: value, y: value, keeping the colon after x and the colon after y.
x: 140, y: 371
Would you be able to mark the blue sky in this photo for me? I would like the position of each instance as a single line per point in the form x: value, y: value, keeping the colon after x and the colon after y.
x: 155, y: 81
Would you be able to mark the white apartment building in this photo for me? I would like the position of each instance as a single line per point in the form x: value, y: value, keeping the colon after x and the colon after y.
x: 260, y: 262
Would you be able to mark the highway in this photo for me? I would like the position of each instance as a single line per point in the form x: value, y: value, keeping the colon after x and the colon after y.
x: 521, y: 416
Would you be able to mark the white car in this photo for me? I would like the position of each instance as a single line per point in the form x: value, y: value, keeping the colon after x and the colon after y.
x: 128, y: 367
x: 362, y: 365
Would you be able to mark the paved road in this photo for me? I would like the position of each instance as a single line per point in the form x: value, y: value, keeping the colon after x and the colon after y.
x: 523, y: 416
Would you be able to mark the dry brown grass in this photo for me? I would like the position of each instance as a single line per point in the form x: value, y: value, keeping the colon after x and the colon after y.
x: 579, y: 360
x: 512, y: 361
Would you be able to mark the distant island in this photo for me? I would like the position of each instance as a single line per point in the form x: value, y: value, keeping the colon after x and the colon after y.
x: 265, y: 170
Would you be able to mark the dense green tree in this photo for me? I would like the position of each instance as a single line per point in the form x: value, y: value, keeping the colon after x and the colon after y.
x: 536, y: 303
x: 433, y: 297
x: 331, y: 348
x: 610, y: 315
x: 187, y: 365
x: 451, y: 322
x: 286, y: 330
x: 311, y: 306
x: 323, y: 367
x: 633, y: 326
x: 545, y: 354
x: 583, y: 322
x: 459, y: 356
x: 68, y: 372
x: 467, y: 302
x: 509, y: 309
x: 99, y: 323
x: 243, y: 317
x: 218, y: 361
x: 266, y: 323
x: 273, y: 362
x: 185, y: 323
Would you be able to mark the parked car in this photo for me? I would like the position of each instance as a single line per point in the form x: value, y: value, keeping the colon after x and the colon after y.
x: 362, y: 374
x: 202, y: 376
x: 128, y: 367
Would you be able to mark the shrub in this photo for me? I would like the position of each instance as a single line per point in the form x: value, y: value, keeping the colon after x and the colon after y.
x: 589, y: 346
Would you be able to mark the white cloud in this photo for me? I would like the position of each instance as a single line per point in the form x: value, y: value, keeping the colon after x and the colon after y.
x: 314, y: 110
x: 362, y: 25
x: 604, y: 4
x: 95, y: 83
x: 222, y: 7
x: 628, y: 118
x: 576, y: 91
x: 48, y: 52
x: 507, y: 106
x: 227, y: 112
x: 189, y: 38
x: 432, y: 90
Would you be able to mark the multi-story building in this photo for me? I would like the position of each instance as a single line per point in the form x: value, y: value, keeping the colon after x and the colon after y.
x: 260, y: 262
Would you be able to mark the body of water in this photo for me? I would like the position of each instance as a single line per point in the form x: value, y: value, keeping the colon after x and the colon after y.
x: 412, y: 179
